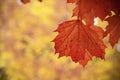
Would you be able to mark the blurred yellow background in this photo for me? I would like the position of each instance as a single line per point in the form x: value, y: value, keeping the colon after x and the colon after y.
x: 26, y: 50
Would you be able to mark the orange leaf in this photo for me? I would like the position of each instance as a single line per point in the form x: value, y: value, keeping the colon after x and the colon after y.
x: 79, y: 41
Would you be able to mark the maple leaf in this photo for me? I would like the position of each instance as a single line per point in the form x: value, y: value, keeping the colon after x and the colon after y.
x: 79, y: 41
x: 113, y: 29
x: 100, y: 10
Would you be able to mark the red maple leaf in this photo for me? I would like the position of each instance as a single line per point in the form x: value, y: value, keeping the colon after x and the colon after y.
x: 100, y: 8
x: 79, y: 41
x: 113, y: 29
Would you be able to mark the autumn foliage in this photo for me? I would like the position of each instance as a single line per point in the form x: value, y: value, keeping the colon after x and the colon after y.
x: 80, y: 38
